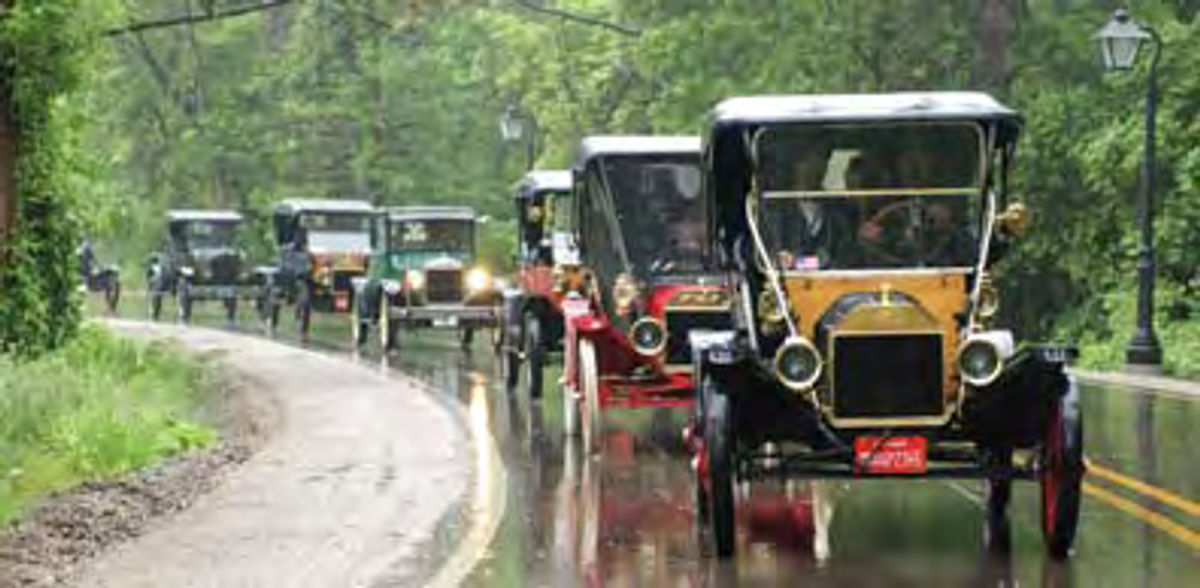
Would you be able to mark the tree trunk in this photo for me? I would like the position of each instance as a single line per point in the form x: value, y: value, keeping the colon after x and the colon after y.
x: 9, y: 141
x: 997, y: 24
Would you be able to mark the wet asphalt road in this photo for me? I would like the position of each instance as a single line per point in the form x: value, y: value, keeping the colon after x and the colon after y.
x: 625, y: 518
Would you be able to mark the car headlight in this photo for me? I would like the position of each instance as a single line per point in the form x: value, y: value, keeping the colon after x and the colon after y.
x: 414, y: 279
x: 797, y: 364
x: 478, y: 280
x: 981, y: 357
x: 648, y: 336
x: 625, y: 292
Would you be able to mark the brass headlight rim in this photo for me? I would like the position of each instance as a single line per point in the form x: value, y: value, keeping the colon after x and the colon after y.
x: 991, y: 376
x: 811, y: 382
x: 658, y: 349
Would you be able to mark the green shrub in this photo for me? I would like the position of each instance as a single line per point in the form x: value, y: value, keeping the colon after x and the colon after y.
x: 96, y: 408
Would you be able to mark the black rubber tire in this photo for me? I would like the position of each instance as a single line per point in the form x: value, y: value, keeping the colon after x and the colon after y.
x: 112, y: 293
x: 359, y: 327
x: 231, y: 308
x: 303, y: 308
x: 591, y: 417
x: 720, y: 470
x: 156, y: 299
x: 1061, y: 477
x: 184, y: 299
x: 387, y: 327
x: 997, y: 527
x: 535, y: 355
x: 697, y: 432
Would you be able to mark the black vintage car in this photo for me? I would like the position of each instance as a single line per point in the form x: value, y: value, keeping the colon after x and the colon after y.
x: 533, y: 321
x: 105, y: 279
x: 323, y: 244
x: 859, y: 233
x: 201, y: 260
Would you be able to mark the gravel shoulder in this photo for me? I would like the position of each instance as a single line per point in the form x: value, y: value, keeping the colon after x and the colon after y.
x: 350, y: 488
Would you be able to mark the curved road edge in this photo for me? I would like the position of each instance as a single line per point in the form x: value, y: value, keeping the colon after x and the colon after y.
x: 365, y: 468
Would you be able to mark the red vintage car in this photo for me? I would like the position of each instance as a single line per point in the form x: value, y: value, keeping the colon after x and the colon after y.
x: 533, y: 323
x: 647, y: 278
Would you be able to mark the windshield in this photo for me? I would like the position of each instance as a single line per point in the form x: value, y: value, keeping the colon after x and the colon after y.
x: 337, y: 231
x: 210, y: 234
x: 857, y: 197
x: 657, y: 216
x: 432, y: 235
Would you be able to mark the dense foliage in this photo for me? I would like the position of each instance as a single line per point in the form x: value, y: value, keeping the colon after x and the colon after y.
x: 42, y: 46
x: 399, y: 102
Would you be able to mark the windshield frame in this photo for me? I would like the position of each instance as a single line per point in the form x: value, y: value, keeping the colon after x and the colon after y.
x: 396, y: 246
x: 184, y: 236
x: 980, y: 190
x: 596, y: 192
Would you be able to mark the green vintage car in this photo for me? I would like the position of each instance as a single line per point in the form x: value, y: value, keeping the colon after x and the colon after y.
x: 423, y: 273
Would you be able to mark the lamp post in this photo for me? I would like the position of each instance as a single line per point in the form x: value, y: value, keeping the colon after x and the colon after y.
x: 515, y: 125
x: 1120, y: 41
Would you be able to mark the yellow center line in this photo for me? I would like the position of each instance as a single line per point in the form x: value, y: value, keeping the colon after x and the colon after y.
x: 1159, y: 494
x: 1183, y: 534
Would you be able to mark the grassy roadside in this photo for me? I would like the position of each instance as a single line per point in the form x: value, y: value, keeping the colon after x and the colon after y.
x: 97, y: 408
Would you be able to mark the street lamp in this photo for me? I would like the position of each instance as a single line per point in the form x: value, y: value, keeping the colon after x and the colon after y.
x: 515, y: 125
x: 1120, y: 40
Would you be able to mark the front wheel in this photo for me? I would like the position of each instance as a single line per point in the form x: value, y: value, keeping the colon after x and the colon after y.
x: 184, y: 298
x: 155, y: 309
x: 535, y: 355
x: 112, y: 293
x: 589, y: 383
x: 358, y: 327
x: 1061, y: 477
x: 304, y: 296
x: 387, y: 326
x: 231, y: 305
x: 719, y: 457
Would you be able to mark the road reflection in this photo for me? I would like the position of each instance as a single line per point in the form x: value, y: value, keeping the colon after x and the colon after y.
x: 626, y: 517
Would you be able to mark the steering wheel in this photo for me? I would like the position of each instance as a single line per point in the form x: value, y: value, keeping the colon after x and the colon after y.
x: 923, y: 250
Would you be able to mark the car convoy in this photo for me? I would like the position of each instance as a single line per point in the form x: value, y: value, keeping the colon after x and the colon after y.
x: 811, y: 279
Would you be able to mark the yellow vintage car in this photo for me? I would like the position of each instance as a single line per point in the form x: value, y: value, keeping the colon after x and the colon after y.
x: 858, y: 232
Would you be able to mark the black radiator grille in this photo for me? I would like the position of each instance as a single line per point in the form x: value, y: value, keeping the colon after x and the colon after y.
x: 887, y: 375
x: 342, y: 281
x: 443, y: 286
x: 225, y: 269
x: 680, y: 322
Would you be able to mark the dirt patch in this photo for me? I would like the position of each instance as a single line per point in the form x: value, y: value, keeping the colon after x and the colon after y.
x: 78, y: 524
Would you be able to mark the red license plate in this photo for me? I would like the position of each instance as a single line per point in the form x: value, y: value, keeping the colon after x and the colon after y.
x: 891, y: 455
x: 341, y: 302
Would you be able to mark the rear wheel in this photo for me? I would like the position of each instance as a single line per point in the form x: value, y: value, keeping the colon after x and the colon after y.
x: 718, y: 451
x: 1062, y: 473
x: 589, y: 383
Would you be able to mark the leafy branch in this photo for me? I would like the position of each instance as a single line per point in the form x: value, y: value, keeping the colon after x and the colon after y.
x: 207, y: 16
x: 579, y: 18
